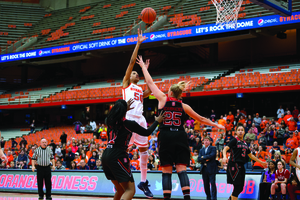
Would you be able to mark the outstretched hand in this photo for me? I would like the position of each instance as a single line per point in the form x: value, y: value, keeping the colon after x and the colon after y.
x: 141, y: 38
x: 160, y: 118
x: 139, y: 60
x: 129, y: 103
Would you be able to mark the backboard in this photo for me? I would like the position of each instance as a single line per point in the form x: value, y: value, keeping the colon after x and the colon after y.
x: 280, y: 7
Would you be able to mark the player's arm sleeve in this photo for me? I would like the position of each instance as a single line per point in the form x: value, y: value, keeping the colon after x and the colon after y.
x: 232, y: 143
x: 135, y: 127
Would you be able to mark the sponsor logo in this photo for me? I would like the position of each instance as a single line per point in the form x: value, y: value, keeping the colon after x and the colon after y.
x: 59, y: 50
x: 41, y: 52
x: 261, y: 22
x: 113, y: 42
x: 180, y: 33
x: 153, y: 36
x: 122, y: 41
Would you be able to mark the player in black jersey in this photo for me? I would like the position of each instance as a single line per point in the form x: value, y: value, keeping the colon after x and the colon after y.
x: 115, y: 160
x: 172, y: 139
x: 235, y: 168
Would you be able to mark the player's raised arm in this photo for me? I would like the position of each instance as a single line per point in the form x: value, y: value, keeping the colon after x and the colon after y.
x: 155, y: 90
x: 199, y: 118
x: 126, y: 79
x: 148, y: 91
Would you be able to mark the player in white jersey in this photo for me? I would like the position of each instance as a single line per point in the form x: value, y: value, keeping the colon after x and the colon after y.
x: 295, y: 184
x: 132, y: 91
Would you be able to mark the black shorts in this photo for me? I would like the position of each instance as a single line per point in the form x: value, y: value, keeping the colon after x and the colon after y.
x: 116, y: 165
x: 173, y: 148
x: 236, y: 173
x: 279, y: 187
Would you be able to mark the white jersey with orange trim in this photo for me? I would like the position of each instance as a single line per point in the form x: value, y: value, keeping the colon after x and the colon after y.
x: 298, y: 163
x: 136, y: 93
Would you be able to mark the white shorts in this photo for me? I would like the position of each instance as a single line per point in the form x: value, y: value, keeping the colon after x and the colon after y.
x: 138, y: 140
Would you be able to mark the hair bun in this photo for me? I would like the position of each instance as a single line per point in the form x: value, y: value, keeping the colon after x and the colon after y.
x: 182, y: 85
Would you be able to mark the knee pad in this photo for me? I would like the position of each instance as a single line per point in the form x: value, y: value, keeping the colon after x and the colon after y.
x: 237, y: 190
x: 184, y: 179
x: 167, y: 181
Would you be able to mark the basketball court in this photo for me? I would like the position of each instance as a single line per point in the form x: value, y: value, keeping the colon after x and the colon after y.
x: 24, y: 196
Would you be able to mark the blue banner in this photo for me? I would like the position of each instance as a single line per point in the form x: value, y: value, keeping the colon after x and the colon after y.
x: 244, y: 24
x: 95, y: 183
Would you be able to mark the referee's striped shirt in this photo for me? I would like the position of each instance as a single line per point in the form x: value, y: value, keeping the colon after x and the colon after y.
x: 43, y: 156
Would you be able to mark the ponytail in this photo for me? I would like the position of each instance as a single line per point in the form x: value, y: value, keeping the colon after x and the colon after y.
x: 178, y: 88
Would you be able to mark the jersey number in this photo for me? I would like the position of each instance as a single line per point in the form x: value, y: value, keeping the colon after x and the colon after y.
x: 138, y: 97
x: 172, y: 118
x: 244, y: 152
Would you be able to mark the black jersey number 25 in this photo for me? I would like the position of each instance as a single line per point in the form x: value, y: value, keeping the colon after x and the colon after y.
x: 172, y: 118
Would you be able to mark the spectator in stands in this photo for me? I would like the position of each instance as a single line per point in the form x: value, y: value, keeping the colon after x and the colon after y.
x: 190, y: 123
x: 58, y: 151
x: 286, y: 111
x: 32, y: 126
x: 92, y: 160
x: 280, y: 119
x: 228, y: 125
x: 22, y: 165
x: 250, y: 136
x: 294, y: 179
x: 70, y: 156
x: 292, y: 124
x: 245, y: 127
x: 77, y: 125
x: 222, y: 121
x: 135, y: 163
x: 52, y: 146
x: 2, y: 143
x: 198, y: 144
x: 285, y: 137
x: 244, y: 112
x: 269, y: 178
x: 88, y: 128
x: 295, y: 112
x: 287, y: 118
x: 262, y: 141
x: 249, y: 122
x: 23, y: 142
x: 238, y: 116
x: 59, y: 165
x: 74, y: 147
x: 253, y: 129
x: 152, y: 165
x: 257, y: 122
x: 82, y: 165
x: 63, y: 138
x: 298, y: 123
x: 103, y: 132
x: 22, y: 157
x: 209, y: 135
x: 98, y: 165
x: 220, y: 143
x: 281, y: 177
x: 270, y: 136
x: 292, y: 142
x: 213, y: 116
x: 10, y: 157
x: 197, y: 126
x: 93, y: 125
x: 280, y: 134
x: 274, y: 148
x: 242, y: 120
x: 280, y: 112
x: 277, y: 156
x: 230, y: 117
x: 73, y: 166
x: 228, y: 138
x: 12, y: 165
x: 14, y: 144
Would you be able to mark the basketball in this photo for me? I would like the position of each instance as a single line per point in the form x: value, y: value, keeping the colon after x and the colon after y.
x: 148, y: 15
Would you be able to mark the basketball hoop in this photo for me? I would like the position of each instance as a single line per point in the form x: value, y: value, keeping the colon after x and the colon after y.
x: 227, y: 12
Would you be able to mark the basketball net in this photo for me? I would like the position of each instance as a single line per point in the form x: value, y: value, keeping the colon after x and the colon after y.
x: 227, y: 12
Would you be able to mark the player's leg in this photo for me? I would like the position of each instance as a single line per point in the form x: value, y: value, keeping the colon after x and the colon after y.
x: 283, y: 190
x: 167, y: 182
x: 184, y: 180
x: 119, y: 190
x: 129, y: 190
x: 142, y: 143
x: 274, y: 187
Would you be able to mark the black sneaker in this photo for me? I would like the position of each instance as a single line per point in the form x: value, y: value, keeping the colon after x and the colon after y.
x: 145, y: 188
x: 41, y: 198
x: 48, y: 198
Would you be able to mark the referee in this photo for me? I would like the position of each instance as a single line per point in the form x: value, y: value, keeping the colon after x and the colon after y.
x: 41, y: 158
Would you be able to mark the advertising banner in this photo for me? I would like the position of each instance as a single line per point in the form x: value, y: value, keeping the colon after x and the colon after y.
x: 95, y: 183
x: 244, y: 24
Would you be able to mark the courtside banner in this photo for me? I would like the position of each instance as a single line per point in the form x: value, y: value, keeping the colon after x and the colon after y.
x: 244, y: 24
x: 94, y: 183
